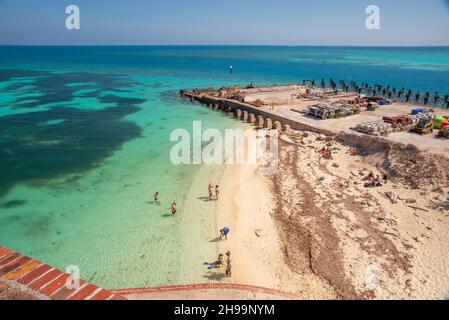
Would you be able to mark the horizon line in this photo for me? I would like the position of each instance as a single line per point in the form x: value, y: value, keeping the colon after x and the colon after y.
x: 224, y: 45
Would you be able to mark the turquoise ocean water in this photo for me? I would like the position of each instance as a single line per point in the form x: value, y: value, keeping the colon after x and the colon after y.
x: 84, y: 143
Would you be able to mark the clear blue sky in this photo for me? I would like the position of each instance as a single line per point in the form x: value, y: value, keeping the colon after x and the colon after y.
x: 251, y: 22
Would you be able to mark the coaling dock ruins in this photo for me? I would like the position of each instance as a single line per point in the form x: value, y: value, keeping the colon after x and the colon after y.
x: 285, y: 108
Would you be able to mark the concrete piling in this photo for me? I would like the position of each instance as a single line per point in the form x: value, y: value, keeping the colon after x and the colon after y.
x: 260, y: 122
x: 245, y: 116
x: 268, y: 123
x: 238, y: 114
x: 287, y: 128
x: 252, y: 118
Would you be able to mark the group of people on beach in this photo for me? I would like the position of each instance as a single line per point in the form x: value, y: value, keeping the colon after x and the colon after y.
x: 326, y: 152
x: 219, y: 263
x: 213, y: 191
x: 372, y: 181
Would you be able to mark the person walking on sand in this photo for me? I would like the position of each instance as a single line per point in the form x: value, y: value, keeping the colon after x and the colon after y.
x: 173, y: 208
x: 156, y: 197
x: 224, y: 233
x: 217, y: 191
x: 210, y: 191
x: 228, y: 271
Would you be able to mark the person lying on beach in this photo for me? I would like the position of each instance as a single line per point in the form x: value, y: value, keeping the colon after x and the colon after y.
x: 369, y: 180
x: 216, y: 264
x: 173, y: 208
x: 353, y: 152
x: 327, y: 153
x: 224, y: 233
x: 369, y: 176
x: 378, y: 181
x: 371, y: 183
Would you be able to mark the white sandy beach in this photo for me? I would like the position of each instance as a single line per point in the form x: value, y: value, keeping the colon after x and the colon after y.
x: 344, y: 241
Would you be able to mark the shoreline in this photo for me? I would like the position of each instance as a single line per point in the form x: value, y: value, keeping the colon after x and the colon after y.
x: 245, y: 206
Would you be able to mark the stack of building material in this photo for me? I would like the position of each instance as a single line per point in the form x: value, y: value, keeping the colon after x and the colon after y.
x: 375, y: 128
x: 334, y: 110
x: 404, y: 122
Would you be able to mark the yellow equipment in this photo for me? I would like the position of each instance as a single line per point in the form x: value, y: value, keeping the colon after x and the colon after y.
x: 424, y: 126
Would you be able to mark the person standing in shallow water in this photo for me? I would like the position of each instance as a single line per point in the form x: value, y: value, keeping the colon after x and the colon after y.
x: 173, y: 208
x: 156, y: 197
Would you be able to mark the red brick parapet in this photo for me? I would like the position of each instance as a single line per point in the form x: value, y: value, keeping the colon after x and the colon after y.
x: 42, y: 281
x: 207, y: 286
x: 45, y: 282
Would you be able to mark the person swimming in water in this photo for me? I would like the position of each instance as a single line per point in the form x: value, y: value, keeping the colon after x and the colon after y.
x: 173, y: 208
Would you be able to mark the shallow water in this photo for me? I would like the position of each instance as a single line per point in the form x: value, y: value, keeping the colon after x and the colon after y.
x: 84, y: 143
